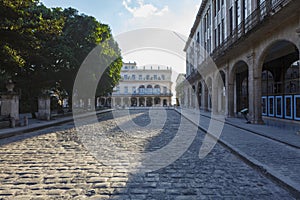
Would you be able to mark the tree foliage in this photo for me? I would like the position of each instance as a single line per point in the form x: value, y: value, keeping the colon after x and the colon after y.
x: 43, y: 48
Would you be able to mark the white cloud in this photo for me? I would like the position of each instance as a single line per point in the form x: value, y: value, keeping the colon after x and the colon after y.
x: 180, y: 20
x: 144, y: 10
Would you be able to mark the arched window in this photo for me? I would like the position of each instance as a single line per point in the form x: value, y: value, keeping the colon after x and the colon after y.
x: 156, y: 89
x: 142, y: 89
x: 149, y: 89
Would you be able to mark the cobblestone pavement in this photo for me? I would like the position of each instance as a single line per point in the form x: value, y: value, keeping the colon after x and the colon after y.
x: 55, y: 164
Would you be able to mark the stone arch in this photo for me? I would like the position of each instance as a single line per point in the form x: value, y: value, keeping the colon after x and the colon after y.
x: 238, y: 90
x: 220, y: 95
x: 266, y: 50
x: 280, y: 99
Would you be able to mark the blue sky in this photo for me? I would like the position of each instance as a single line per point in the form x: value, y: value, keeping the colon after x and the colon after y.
x: 126, y: 15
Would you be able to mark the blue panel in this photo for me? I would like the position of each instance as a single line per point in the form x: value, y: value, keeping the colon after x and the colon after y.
x: 297, y: 107
x: 264, y: 106
x: 271, y: 106
x: 288, y: 110
x: 278, y: 106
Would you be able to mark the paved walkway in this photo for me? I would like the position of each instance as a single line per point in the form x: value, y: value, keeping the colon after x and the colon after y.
x: 279, y: 160
x: 35, y: 124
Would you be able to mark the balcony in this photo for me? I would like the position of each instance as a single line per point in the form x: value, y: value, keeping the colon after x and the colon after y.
x: 145, y: 94
x: 261, y: 14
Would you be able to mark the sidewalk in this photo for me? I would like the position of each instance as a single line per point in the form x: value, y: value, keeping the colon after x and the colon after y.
x: 280, y: 161
x: 35, y: 124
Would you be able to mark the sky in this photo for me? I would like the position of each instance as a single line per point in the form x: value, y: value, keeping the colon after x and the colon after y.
x: 126, y: 15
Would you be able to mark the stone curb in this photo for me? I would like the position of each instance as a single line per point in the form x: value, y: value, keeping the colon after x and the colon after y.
x: 47, y: 125
x: 285, y: 182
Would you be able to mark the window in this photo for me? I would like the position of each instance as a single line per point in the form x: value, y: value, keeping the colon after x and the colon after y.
x: 215, y: 43
x: 230, y: 21
x: 118, y: 90
x: 133, y: 90
x: 237, y: 13
x: 215, y: 7
x: 133, y: 77
x: 125, y: 90
x: 147, y: 77
x: 140, y: 77
x: 163, y: 77
x: 218, y: 5
x: 125, y: 77
x: 223, y: 30
x: 155, y: 77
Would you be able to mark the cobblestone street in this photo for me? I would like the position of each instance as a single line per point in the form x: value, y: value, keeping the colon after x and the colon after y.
x: 55, y: 163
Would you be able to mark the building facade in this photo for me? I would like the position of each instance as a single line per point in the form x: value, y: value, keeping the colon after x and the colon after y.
x: 145, y: 86
x: 245, y: 54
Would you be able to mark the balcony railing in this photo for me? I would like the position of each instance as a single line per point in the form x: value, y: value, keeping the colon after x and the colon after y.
x: 145, y: 94
x: 260, y: 14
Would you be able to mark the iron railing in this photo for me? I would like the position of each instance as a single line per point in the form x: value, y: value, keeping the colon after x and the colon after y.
x: 260, y: 14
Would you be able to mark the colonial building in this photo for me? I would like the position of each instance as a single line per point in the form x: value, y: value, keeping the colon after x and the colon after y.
x: 245, y: 54
x: 143, y: 86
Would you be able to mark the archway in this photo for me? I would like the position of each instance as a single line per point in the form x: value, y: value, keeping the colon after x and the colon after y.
x: 149, y: 102
x: 238, y: 91
x: 165, y: 102
x: 142, y: 102
x: 157, y: 101
x: 133, y: 102
x: 280, y: 81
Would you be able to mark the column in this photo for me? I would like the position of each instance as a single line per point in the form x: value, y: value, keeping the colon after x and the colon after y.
x: 214, y: 97
x: 230, y: 100
x: 44, y: 111
x: 254, y: 86
x: 10, y: 102
x: 153, y: 103
x: 138, y: 102
x: 10, y: 105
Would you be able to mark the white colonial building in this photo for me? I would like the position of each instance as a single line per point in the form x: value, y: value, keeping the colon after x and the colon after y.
x: 143, y: 86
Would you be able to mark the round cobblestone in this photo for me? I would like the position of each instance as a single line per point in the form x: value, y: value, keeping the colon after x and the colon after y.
x: 54, y: 164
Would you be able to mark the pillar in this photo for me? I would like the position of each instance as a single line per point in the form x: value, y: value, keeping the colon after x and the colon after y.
x: 10, y: 105
x: 10, y: 102
x: 254, y: 87
x: 214, y: 97
x: 44, y: 111
x: 230, y: 99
